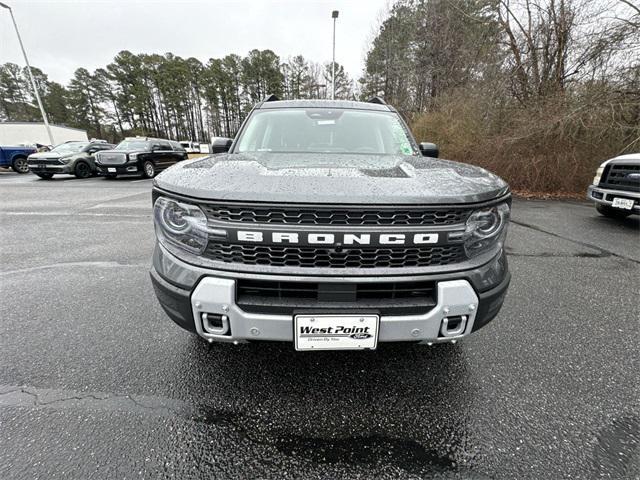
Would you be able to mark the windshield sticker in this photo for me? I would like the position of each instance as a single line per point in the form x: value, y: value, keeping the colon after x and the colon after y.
x: 401, y: 139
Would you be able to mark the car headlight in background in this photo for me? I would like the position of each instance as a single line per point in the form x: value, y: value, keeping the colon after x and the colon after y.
x: 133, y: 157
x: 64, y: 159
x: 485, y: 228
x: 180, y: 224
x: 596, y: 179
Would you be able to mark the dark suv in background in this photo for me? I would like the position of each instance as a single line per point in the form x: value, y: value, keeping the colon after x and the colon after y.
x: 74, y: 158
x: 140, y: 155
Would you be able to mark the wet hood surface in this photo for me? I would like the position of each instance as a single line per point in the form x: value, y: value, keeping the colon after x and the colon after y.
x: 331, y: 178
x: 45, y: 155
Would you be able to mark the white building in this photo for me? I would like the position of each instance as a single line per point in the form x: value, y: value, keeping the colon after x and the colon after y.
x: 31, y: 133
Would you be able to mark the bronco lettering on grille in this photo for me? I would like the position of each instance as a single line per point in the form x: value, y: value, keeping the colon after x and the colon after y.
x: 335, y: 238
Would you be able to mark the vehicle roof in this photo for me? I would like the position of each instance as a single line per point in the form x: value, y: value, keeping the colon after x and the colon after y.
x: 346, y: 104
x: 146, y: 139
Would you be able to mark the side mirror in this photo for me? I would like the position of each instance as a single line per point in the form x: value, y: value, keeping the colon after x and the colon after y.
x: 429, y: 149
x: 220, y: 144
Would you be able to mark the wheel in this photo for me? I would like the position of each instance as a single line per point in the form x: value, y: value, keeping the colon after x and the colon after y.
x: 611, y: 212
x: 148, y: 169
x: 45, y: 176
x: 20, y: 165
x: 82, y: 170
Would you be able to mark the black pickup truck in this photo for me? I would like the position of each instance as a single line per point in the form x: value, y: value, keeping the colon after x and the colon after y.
x: 325, y: 224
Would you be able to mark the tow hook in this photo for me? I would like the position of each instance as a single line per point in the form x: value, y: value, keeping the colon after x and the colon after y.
x: 453, y: 326
x: 215, y: 324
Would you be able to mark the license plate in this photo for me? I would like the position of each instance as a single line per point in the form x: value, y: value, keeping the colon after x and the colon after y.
x: 625, y: 203
x: 111, y: 170
x: 336, y: 332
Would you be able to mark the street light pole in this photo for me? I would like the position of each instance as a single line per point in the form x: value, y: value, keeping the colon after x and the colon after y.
x: 334, y: 15
x: 33, y: 82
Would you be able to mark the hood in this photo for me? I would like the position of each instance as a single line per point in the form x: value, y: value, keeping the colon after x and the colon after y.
x: 45, y: 155
x: 331, y: 178
x: 628, y: 159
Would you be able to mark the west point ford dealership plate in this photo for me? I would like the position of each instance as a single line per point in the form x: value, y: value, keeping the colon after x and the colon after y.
x: 336, y: 332
x: 625, y: 203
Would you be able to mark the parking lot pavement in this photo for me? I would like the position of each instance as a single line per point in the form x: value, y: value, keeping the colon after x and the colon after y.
x: 96, y: 382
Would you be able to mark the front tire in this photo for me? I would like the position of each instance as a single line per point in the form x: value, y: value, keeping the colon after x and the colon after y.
x: 20, y: 165
x: 148, y: 169
x: 611, y: 212
x: 45, y: 176
x: 82, y: 170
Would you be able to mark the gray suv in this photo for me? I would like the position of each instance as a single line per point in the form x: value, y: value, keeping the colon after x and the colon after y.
x: 326, y: 225
x: 75, y: 158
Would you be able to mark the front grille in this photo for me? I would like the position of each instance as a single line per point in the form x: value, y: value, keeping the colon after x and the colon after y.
x: 301, y: 215
x: 111, y: 158
x: 616, y: 177
x: 45, y: 161
x: 269, y: 296
x: 318, y: 257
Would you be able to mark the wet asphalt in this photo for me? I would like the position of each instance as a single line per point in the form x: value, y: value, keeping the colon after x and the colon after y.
x: 96, y: 382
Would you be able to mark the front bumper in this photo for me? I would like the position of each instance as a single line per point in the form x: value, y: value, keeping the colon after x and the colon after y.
x: 213, y: 292
x: 36, y: 167
x: 127, y: 168
x: 605, y: 196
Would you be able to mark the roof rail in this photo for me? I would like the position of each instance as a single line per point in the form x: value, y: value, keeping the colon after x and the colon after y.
x: 271, y: 98
x: 378, y: 100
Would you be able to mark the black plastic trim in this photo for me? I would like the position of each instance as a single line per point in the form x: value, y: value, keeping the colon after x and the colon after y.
x: 490, y: 303
x: 176, y: 302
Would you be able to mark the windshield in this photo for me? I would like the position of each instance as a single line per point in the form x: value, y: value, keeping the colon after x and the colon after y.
x: 133, y: 145
x: 67, y: 148
x: 321, y: 130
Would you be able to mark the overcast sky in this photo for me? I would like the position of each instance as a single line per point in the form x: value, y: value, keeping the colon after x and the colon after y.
x: 62, y: 35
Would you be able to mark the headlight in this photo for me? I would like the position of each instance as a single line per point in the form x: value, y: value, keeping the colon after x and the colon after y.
x: 133, y: 157
x: 486, y: 228
x: 181, y: 224
x: 596, y: 179
x: 64, y: 159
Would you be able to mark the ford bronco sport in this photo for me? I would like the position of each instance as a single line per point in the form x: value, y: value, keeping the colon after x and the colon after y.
x: 326, y: 225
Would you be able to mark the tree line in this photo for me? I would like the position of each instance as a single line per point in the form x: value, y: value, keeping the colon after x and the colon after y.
x: 166, y: 95
x: 539, y: 91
